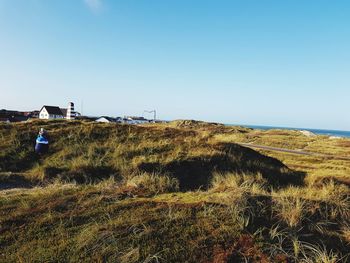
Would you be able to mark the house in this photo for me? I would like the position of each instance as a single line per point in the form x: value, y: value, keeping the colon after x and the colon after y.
x: 4, y: 116
x: 69, y: 115
x: 85, y: 118
x: 32, y: 114
x: 12, y: 116
x: 9, y: 112
x: 55, y: 112
x: 64, y: 112
x: 50, y: 112
x: 135, y: 120
x: 4, y: 119
x: 107, y: 119
x: 16, y: 118
x: 19, y: 118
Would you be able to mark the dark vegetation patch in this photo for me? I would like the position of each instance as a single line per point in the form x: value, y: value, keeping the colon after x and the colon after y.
x: 13, y: 180
x: 81, y: 175
x: 195, y: 173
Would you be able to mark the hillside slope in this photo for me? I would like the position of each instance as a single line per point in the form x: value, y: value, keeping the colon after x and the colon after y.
x: 89, y: 152
x: 178, y: 192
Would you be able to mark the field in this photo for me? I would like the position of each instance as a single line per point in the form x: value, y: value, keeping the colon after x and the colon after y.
x: 184, y: 191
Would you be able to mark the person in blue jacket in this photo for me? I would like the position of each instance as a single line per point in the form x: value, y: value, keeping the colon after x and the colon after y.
x: 42, y: 143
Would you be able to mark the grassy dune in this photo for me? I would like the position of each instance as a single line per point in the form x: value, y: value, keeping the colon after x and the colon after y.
x: 318, y: 169
x: 177, y: 192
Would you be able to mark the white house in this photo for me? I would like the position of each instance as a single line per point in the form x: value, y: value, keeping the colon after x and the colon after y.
x: 135, y: 120
x: 54, y: 112
x: 50, y: 112
x: 106, y: 119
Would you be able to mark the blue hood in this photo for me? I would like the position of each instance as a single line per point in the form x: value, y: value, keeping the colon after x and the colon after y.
x: 42, y: 139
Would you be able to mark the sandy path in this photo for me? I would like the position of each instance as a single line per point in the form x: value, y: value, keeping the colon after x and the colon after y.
x: 300, y: 152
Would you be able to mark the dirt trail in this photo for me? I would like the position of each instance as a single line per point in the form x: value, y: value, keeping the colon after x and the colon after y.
x: 300, y: 152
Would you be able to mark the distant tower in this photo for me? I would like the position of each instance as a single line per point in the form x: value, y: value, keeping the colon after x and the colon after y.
x: 70, y: 111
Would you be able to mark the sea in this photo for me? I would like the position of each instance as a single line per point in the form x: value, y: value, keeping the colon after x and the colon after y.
x: 334, y: 133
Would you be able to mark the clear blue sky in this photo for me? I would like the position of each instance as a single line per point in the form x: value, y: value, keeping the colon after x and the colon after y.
x: 265, y: 62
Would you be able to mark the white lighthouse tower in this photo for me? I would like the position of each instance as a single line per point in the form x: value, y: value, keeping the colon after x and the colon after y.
x: 70, y: 111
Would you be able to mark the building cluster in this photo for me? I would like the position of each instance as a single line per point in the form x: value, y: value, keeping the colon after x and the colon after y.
x: 125, y: 119
x: 17, y: 116
x: 46, y: 112
x: 54, y: 112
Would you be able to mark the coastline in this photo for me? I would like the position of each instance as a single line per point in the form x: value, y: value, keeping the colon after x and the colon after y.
x: 323, y: 132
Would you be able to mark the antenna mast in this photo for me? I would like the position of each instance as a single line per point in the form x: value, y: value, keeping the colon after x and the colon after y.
x: 154, y: 114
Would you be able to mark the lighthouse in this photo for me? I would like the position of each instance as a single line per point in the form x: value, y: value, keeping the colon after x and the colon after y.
x: 70, y: 111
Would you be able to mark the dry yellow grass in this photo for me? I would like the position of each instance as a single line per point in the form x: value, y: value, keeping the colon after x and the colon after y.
x: 318, y: 169
x: 171, y: 193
